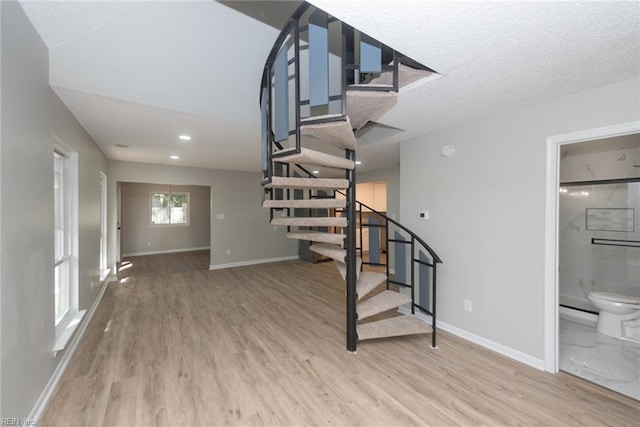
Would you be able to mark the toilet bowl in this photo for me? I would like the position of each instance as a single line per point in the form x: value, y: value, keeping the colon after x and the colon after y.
x: 617, y: 313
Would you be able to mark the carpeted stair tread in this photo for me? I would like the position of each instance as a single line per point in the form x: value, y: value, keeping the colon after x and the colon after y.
x: 368, y: 281
x: 342, y: 267
x: 307, y: 183
x: 328, y: 221
x: 364, y: 106
x: 406, y: 76
x: 393, y: 327
x: 384, y: 301
x: 339, y: 132
x: 306, y: 203
x: 335, y: 252
x: 317, y: 236
x: 307, y: 156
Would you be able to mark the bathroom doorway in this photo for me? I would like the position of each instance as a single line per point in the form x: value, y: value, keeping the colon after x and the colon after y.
x: 597, y: 242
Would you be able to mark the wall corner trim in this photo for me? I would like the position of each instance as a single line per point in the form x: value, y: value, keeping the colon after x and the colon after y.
x: 484, y: 342
x: 252, y: 262
x: 52, y: 385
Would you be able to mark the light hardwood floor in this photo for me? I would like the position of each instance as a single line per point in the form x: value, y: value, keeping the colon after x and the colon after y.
x: 264, y: 345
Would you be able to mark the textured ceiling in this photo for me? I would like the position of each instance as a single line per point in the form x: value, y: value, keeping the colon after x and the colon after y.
x: 498, y: 56
x: 139, y: 73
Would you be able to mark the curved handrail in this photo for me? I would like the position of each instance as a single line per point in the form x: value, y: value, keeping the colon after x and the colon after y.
x: 433, y: 254
x: 297, y: 14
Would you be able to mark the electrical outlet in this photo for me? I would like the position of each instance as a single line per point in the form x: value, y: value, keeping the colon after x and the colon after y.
x: 423, y: 215
x: 468, y: 306
x: 228, y: 251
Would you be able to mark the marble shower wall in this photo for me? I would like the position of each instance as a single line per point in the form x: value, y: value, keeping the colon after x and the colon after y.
x: 594, y: 164
x: 583, y: 266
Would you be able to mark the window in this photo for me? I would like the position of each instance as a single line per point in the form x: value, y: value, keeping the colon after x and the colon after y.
x: 67, y: 316
x: 104, y: 270
x: 169, y: 208
x: 62, y: 238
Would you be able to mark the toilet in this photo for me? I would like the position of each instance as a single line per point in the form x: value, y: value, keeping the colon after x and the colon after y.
x: 619, y: 315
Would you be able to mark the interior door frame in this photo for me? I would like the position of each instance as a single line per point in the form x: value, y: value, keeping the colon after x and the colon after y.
x: 551, y: 291
x: 118, y: 222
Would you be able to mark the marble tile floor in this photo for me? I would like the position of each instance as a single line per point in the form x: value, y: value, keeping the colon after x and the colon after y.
x: 609, y: 362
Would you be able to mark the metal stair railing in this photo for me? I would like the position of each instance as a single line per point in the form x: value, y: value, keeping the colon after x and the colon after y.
x: 325, y: 100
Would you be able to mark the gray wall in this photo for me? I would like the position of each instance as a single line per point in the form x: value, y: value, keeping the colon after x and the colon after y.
x: 32, y: 116
x: 139, y: 237
x: 245, y: 229
x: 487, y: 206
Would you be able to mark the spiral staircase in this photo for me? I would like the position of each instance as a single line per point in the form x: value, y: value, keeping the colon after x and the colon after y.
x: 323, y: 84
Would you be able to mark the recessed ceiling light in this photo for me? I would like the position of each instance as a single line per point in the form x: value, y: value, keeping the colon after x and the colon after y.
x: 358, y: 162
x: 316, y: 172
x: 185, y: 137
x: 175, y: 157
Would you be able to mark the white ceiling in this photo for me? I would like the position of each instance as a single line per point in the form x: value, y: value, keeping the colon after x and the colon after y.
x: 141, y: 73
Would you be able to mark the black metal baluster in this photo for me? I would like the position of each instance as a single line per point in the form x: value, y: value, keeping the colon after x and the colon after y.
x: 352, y: 315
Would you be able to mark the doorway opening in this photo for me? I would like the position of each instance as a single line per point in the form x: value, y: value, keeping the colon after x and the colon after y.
x: 587, y: 179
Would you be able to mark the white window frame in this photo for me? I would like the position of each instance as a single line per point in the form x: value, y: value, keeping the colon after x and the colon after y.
x: 184, y: 224
x: 62, y: 260
x: 104, y: 268
x: 65, y: 324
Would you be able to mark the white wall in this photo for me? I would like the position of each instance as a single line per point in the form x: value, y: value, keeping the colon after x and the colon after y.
x: 139, y: 237
x: 245, y: 229
x: 31, y: 116
x: 392, y: 176
x: 487, y: 204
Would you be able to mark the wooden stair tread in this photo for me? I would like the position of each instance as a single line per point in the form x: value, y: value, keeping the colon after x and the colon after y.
x: 393, y: 327
x: 302, y: 221
x: 384, y: 301
x: 308, y: 183
x: 307, y: 156
x: 306, y: 203
x: 317, y: 236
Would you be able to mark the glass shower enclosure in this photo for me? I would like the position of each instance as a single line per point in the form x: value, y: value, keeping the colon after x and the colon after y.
x: 599, y: 241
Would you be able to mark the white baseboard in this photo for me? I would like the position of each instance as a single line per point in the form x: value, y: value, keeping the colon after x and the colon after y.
x: 252, y: 262
x: 46, y: 395
x: 166, y: 251
x: 477, y: 339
